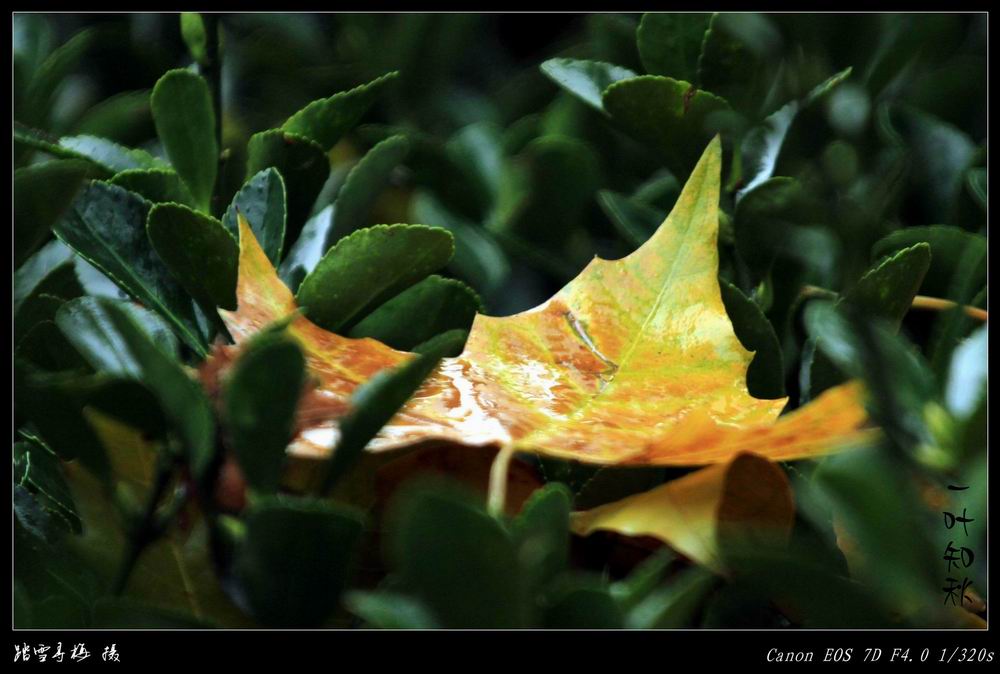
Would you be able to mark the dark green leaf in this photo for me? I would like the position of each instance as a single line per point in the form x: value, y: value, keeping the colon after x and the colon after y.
x: 296, y: 559
x: 766, y: 374
x: 948, y: 245
x: 670, y: 44
x: 185, y: 123
x: 261, y: 398
x: 202, y: 256
x: 583, y: 605
x: 541, y: 534
x: 262, y: 202
x: 674, y: 118
x: 367, y: 268
x: 42, y: 193
x: 111, y: 339
x: 586, y: 80
x: 302, y: 164
x: 364, y: 183
x: 738, y: 60
x: 107, y: 227
x: 326, y: 120
x: 430, y: 307
x: 456, y: 558
x: 159, y: 186
x: 673, y: 605
x: 37, y: 470
x: 634, y: 220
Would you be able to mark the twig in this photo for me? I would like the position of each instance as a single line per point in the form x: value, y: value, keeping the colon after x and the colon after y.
x: 213, y: 73
x: 919, y: 302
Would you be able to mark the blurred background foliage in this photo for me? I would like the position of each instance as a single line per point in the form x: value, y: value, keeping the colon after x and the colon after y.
x: 538, y: 142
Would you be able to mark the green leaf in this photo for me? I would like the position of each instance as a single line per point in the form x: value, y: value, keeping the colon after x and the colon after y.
x: 456, y: 559
x: 541, y: 534
x: 766, y: 373
x: 52, y: 73
x: 428, y: 308
x: 376, y: 401
x: 326, y: 120
x: 37, y: 470
x: 202, y: 256
x: 122, y: 613
x: 764, y: 217
x: 976, y: 184
x: 193, y: 32
x: 261, y: 398
x: 262, y: 202
x: 644, y: 578
x: 670, y: 44
x: 109, y: 337
x: 296, y: 559
x: 450, y: 343
x: 105, y: 155
x: 123, y: 118
x: 302, y: 164
x: 948, y: 246
x: 107, y: 227
x: 479, y: 259
x: 738, y: 60
x: 586, y: 80
x: 583, y: 605
x: 367, y: 268
x: 634, y: 220
x: 308, y: 249
x: 761, y: 147
x: 159, y: 186
x: 388, y: 610
x: 672, y: 117
x: 42, y: 193
x: 362, y: 186
x: 885, y: 292
x: 673, y: 605
x: 33, y: 272
x: 185, y: 123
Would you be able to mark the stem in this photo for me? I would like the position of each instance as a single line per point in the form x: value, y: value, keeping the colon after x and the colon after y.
x: 497, y: 497
x: 919, y: 302
x: 213, y: 74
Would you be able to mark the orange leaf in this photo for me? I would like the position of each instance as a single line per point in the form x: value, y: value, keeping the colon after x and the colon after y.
x: 634, y: 362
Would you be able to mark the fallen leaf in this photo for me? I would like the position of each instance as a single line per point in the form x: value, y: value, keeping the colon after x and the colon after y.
x: 635, y: 361
x: 746, y: 501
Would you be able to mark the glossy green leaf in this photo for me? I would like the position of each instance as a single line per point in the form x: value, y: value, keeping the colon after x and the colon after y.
x: 766, y: 373
x: 37, y: 470
x: 45, y: 261
x: 198, y: 251
x: 326, y: 120
x: 670, y: 43
x: 455, y: 558
x: 105, y: 155
x: 586, y: 80
x: 763, y: 218
x: 185, y: 123
x: 262, y: 202
x: 363, y: 185
x: 367, y: 268
x: 302, y: 164
x: 110, y: 339
x: 885, y: 292
x: 107, y: 227
x: 159, y: 186
x: 430, y: 307
x: 42, y: 193
x: 296, y: 559
x: 672, y: 117
x: 261, y: 397
x: 948, y: 245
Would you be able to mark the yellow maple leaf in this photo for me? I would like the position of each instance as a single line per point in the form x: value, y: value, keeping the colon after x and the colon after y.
x: 633, y: 362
